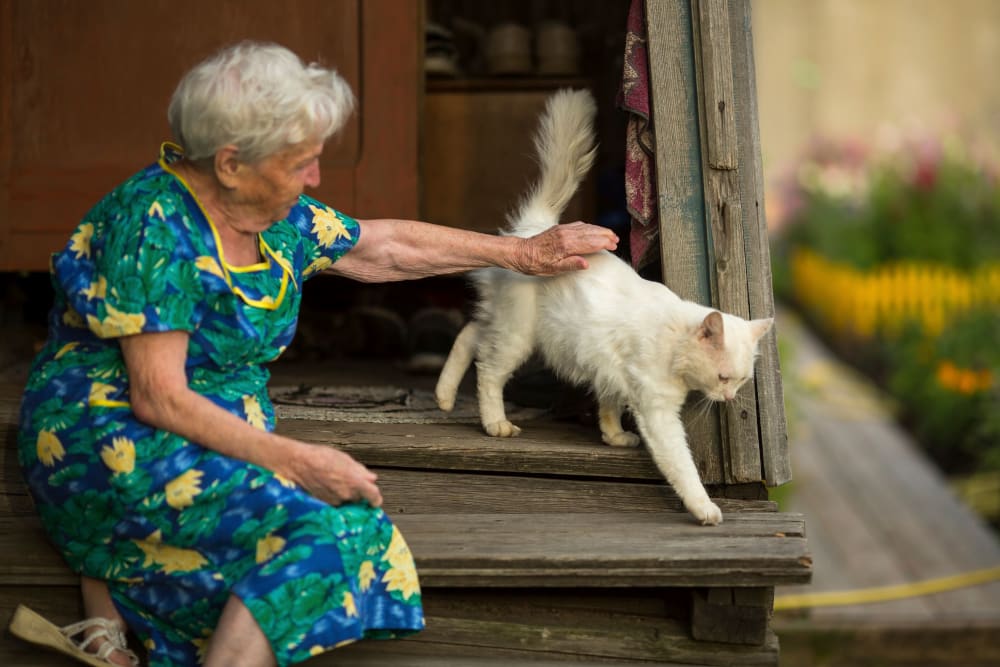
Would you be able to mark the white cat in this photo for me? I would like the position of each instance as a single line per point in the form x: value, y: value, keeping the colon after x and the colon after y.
x: 637, y: 344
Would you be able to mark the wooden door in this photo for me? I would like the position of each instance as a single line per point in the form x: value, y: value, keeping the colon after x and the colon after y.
x: 86, y: 86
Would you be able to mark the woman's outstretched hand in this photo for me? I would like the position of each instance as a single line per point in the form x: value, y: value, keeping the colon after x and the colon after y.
x: 562, y: 248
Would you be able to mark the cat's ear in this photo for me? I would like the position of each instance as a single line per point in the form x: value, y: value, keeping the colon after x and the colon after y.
x: 760, y: 327
x: 710, y: 330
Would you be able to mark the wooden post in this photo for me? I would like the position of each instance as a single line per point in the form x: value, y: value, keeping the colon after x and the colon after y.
x: 713, y: 235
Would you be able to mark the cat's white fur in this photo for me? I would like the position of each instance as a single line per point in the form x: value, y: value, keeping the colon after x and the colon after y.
x: 637, y: 344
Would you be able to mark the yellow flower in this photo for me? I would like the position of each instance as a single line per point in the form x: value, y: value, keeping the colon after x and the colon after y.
x: 49, y: 448
x: 170, y: 559
x: 116, y: 323
x: 98, y: 290
x: 120, y: 456
x: 328, y: 226
x: 208, y: 263
x: 71, y: 318
x: 66, y: 348
x: 182, y: 489
x: 285, y: 482
x: 320, y: 264
x: 402, y: 576
x: 80, y: 241
x: 349, y: 607
x: 255, y: 416
x: 269, y: 547
x: 100, y: 391
x: 366, y: 573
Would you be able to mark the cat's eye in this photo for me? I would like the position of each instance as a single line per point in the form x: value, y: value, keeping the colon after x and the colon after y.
x: 724, y: 379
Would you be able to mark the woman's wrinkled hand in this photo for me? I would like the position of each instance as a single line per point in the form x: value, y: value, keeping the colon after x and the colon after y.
x: 332, y: 476
x: 562, y: 248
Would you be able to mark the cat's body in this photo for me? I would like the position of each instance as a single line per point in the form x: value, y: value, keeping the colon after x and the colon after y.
x: 633, y: 341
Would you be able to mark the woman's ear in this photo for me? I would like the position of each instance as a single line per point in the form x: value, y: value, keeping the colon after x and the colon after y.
x: 228, y: 166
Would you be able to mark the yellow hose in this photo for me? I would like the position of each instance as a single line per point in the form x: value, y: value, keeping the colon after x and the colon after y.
x: 887, y: 593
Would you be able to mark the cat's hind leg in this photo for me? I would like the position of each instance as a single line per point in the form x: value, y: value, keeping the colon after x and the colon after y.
x: 459, y: 359
x: 609, y: 418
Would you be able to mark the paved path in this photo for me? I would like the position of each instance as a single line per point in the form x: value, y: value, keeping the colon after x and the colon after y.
x: 877, y: 511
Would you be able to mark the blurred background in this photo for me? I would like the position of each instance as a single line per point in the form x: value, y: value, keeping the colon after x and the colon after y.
x: 879, y: 136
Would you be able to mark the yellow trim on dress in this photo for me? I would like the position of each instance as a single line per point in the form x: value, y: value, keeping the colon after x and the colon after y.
x: 267, y: 302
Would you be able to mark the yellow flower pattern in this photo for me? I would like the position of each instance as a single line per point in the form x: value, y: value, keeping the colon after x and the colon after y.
x: 120, y: 455
x: 209, y: 263
x: 100, y: 391
x: 402, y: 575
x: 80, y: 241
x: 328, y: 226
x: 65, y: 349
x: 366, y: 573
x: 350, y: 608
x: 49, y: 448
x: 269, y: 547
x: 321, y: 264
x: 96, y: 290
x: 181, y: 490
x: 255, y: 416
x: 116, y: 323
x: 169, y: 559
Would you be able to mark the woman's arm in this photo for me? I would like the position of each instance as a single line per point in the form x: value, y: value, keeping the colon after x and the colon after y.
x: 391, y: 250
x: 160, y: 397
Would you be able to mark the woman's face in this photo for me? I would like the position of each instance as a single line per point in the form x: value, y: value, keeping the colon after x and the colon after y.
x: 271, y: 187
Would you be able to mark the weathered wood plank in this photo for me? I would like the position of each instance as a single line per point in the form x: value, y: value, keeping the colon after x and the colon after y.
x: 605, y: 550
x: 544, y: 447
x: 717, y: 77
x: 718, y: 109
x: 549, y: 550
x: 680, y: 205
x: 641, y: 641
x: 773, y: 434
x: 429, y: 492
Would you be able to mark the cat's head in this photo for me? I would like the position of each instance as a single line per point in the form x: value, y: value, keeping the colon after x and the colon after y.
x: 718, y: 356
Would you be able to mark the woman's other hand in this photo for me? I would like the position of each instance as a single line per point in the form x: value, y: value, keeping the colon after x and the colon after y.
x: 331, y: 475
x: 562, y: 248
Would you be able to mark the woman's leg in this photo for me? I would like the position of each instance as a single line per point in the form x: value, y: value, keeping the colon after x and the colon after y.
x: 238, y: 640
x: 97, y: 603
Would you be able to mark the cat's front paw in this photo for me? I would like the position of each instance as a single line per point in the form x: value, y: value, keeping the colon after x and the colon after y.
x: 707, y: 512
x: 501, y: 429
x: 622, y: 439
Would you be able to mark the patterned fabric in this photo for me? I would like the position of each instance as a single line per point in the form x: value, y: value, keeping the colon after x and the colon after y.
x: 640, y: 141
x: 173, y: 527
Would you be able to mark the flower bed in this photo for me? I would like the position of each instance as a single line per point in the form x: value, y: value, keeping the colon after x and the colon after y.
x: 894, y: 257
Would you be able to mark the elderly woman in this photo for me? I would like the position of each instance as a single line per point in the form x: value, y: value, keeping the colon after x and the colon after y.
x: 146, y: 430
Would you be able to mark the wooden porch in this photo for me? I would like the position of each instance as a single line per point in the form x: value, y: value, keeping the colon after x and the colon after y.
x: 547, y: 547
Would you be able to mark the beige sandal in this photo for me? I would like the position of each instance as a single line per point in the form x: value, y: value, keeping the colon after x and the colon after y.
x: 36, y: 629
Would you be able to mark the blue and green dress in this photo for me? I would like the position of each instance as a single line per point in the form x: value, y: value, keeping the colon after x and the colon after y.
x: 173, y: 527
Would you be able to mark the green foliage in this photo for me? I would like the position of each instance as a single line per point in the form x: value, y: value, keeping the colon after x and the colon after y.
x: 925, y: 202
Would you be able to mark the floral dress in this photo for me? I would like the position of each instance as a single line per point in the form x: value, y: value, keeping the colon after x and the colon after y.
x: 173, y: 527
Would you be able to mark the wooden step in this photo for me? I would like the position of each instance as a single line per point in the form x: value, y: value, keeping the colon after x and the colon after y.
x: 478, y: 628
x: 539, y: 550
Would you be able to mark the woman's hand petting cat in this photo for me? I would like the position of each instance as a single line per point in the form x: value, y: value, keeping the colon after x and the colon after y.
x: 562, y: 248
x: 331, y: 475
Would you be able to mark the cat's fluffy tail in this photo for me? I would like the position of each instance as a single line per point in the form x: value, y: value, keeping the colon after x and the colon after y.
x: 565, y: 146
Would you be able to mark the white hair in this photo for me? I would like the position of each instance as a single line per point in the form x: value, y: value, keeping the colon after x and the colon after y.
x: 259, y: 97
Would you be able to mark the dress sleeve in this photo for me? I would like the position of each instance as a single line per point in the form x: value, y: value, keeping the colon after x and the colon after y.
x: 326, y: 234
x: 129, y: 269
